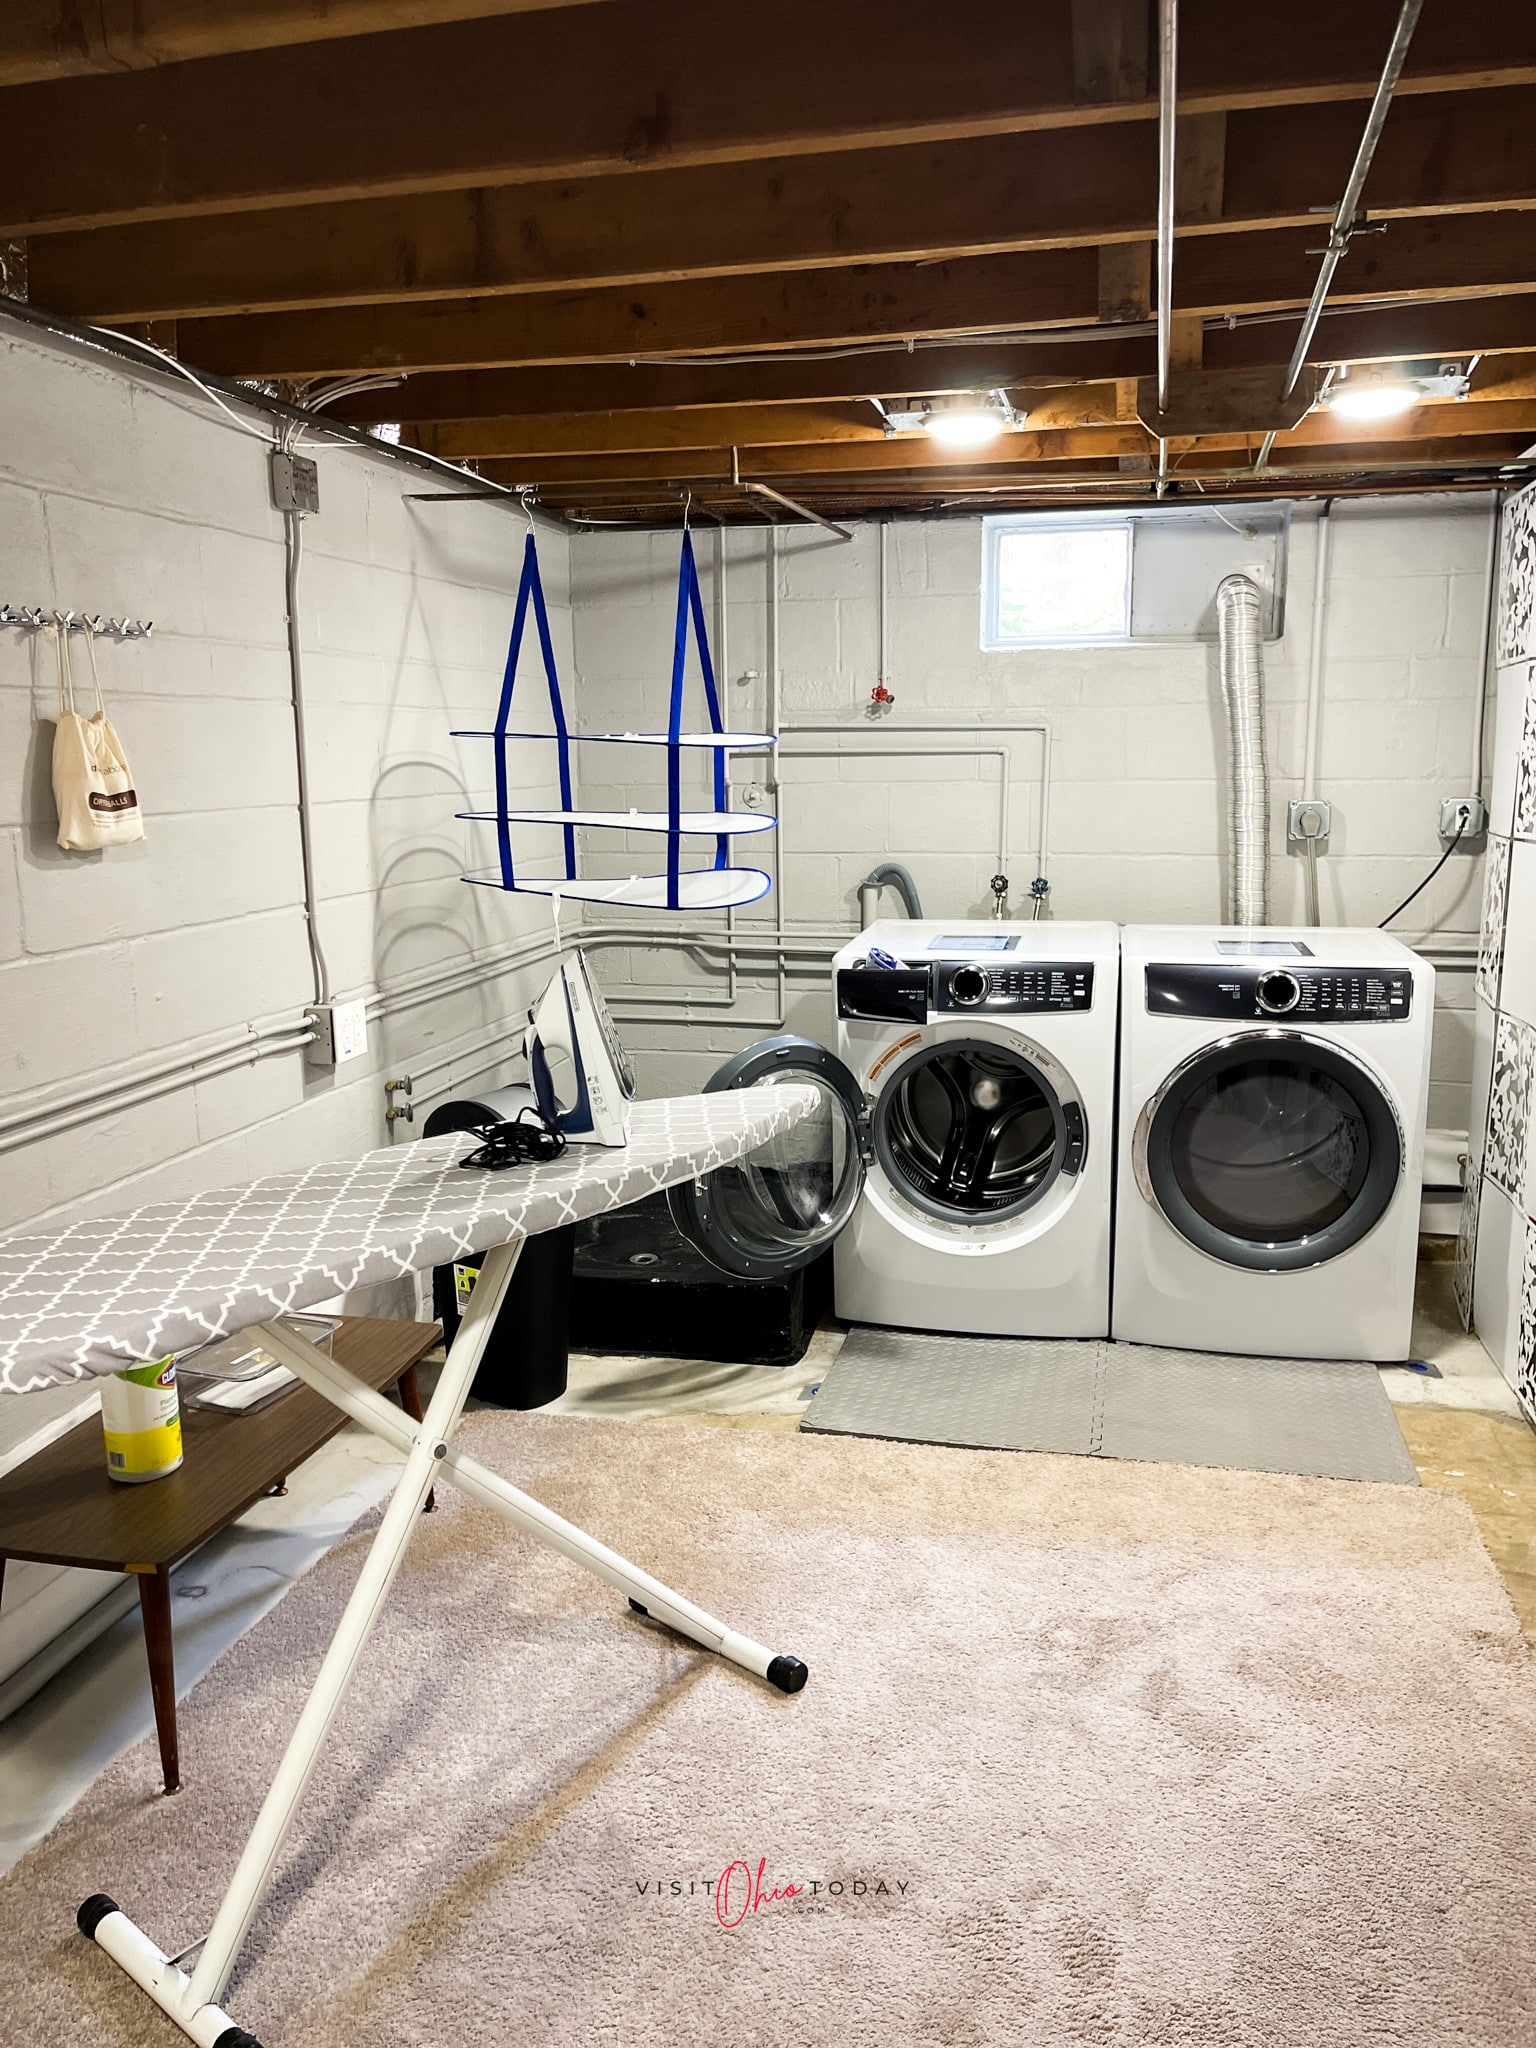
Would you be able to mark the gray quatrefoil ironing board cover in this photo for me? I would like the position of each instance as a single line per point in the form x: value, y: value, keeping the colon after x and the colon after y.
x: 89, y: 1297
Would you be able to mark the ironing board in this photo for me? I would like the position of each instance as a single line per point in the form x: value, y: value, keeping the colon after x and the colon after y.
x: 85, y: 1299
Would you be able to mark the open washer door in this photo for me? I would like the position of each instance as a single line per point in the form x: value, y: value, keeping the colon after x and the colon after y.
x: 1272, y: 1151
x: 774, y: 1211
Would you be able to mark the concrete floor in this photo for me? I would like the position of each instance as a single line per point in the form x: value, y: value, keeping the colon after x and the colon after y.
x: 1464, y: 1429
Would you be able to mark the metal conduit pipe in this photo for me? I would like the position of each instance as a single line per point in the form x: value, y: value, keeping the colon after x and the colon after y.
x: 1238, y: 601
x: 1342, y: 226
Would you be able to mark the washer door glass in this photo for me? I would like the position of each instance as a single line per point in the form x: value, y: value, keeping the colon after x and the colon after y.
x: 1274, y: 1155
x: 782, y: 1205
x: 970, y: 1130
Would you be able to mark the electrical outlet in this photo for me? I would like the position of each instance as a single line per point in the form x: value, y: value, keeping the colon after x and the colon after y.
x: 1308, y: 818
x: 295, y: 482
x: 341, y: 1033
x: 1467, y: 815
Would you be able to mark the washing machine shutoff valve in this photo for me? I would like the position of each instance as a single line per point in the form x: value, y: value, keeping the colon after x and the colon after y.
x: 999, y: 895
x: 880, y: 699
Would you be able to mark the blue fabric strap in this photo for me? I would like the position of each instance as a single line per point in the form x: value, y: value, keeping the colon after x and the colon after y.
x: 690, y: 606
x: 531, y: 586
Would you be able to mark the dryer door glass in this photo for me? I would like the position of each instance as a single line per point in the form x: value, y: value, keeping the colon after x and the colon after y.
x: 1273, y: 1154
x: 775, y: 1210
x: 974, y: 1131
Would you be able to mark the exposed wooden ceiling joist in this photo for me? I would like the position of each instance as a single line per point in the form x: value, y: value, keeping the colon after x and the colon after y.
x: 1271, y: 167
x: 1506, y: 323
x: 1415, y: 259
x: 57, y: 39
x: 639, y: 86
x: 1078, y: 409
x: 845, y: 462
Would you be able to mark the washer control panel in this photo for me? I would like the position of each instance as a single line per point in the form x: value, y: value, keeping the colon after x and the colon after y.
x: 957, y: 986
x: 1331, y: 995
x: 1014, y: 990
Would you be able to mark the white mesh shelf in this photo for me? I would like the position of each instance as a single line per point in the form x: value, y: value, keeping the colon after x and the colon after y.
x: 711, y: 824
x: 735, y: 742
x: 697, y: 888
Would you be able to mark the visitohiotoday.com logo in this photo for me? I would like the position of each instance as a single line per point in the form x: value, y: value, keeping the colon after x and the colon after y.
x: 743, y: 1890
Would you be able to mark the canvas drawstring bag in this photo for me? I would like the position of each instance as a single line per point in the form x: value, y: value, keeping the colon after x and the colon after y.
x: 92, y: 783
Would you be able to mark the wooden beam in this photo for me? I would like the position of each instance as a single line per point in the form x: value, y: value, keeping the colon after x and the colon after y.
x: 1458, y: 329
x: 702, y: 426
x: 974, y: 196
x: 878, y: 460
x: 626, y: 86
x: 1110, y: 46
x: 1125, y: 281
x: 60, y: 39
x: 1079, y: 410
x: 1050, y: 287
x: 1418, y: 259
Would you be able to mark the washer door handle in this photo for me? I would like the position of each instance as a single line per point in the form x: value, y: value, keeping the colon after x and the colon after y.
x: 1139, y: 1146
x: 1075, y: 1138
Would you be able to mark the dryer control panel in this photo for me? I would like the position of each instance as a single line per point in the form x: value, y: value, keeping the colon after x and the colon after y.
x: 1315, y: 995
x: 942, y: 987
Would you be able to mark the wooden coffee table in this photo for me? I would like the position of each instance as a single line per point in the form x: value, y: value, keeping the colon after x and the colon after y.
x: 61, y: 1508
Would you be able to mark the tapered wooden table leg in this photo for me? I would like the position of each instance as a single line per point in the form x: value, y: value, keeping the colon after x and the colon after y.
x: 155, y: 1605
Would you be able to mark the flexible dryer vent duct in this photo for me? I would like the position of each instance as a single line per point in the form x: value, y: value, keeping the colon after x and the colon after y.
x: 1238, y: 604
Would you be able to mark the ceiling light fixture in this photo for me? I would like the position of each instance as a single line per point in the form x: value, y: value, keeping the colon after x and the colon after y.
x: 1382, y: 391
x: 972, y: 420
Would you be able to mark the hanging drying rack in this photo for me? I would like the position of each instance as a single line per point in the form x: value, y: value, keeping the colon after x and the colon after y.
x: 37, y: 620
x: 721, y: 887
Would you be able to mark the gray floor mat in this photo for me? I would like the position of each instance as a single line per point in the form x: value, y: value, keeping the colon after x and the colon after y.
x: 1329, y: 1419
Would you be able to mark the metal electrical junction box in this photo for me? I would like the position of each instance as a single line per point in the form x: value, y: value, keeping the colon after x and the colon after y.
x: 295, y: 483
x: 341, y: 1033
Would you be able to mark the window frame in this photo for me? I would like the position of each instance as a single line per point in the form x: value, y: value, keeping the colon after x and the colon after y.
x: 996, y: 525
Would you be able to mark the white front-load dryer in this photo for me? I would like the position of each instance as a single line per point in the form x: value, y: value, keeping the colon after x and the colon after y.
x: 1273, y: 1093
x: 986, y: 1058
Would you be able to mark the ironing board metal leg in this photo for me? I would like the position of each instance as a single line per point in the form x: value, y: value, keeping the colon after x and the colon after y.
x: 531, y: 1516
x: 254, y: 1870
x: 190, y: 2000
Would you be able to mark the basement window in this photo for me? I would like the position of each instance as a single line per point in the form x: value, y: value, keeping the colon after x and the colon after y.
x: 1096, y: 579
x: 1053, y: 583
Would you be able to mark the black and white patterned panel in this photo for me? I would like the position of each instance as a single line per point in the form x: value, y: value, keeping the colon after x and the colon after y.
x: 1525, y: 1357
x: 1523, y: 825
x: 1466, y: 1248
x: 1490, y: 945
x: 1509, y: 1107
x: 89, y: 1297
x: 1517, y: 580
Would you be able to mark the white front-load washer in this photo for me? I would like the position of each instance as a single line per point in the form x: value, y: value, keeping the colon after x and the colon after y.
x: 959, y: 1161
x: 1273, y: 1092
x: 987, y: 1063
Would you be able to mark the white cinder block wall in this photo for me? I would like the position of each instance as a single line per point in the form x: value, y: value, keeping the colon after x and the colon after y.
x: 126, y: 493
x: 1137, y: 826
x: 142, y: 990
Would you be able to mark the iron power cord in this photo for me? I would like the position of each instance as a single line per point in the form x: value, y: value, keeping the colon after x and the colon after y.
x: 1439, y: 864
x: 526, y: 1140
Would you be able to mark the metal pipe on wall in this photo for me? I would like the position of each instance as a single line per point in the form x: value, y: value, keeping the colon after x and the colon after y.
x: 1167, y: 120
x: 1484, y: 670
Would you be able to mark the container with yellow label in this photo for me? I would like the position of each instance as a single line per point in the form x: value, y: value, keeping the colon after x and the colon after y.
x: 141, y: 1415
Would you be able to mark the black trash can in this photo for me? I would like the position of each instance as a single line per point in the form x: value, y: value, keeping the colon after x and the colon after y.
x: 528, y: 1355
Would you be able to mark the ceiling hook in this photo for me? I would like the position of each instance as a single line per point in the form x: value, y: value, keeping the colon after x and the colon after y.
x: 687, y: 506
x: 526, y: 496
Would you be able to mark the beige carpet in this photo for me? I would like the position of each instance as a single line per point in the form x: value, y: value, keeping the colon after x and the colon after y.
x: 1139, y: 1755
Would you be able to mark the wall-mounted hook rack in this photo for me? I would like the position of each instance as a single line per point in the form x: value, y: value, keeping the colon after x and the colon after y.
x: 36, y: 619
